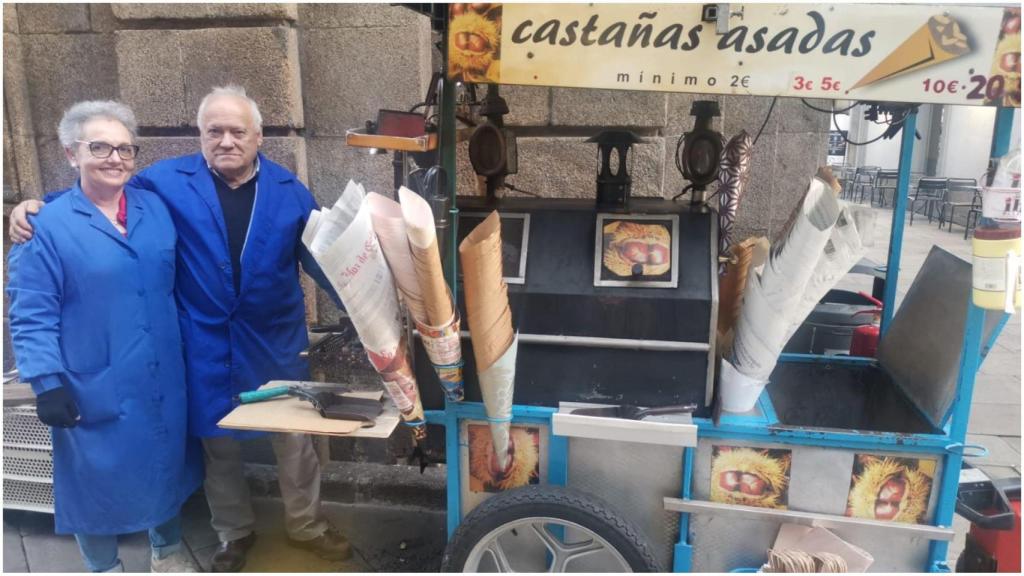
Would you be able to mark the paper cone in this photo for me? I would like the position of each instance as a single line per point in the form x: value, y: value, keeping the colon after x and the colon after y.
x: 937, y: 41
x: 400, y: 384
x: 444, y: 348
x: 487, y: 311
x: 389, y: 225
x: 419, y: 225
x: 497, y: 388
x: 731, y: 285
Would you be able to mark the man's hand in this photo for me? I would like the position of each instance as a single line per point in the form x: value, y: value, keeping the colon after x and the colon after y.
x: 20, y: 230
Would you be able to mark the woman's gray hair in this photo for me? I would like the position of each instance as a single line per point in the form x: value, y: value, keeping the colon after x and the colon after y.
x: 70, y: 128
x: 230, y: 90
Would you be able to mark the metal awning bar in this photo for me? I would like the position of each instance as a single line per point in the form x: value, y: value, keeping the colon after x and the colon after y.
x: 617, y: 343
x: 806, y: 518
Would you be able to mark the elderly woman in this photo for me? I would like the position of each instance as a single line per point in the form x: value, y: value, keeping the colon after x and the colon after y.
x: 95, y: 331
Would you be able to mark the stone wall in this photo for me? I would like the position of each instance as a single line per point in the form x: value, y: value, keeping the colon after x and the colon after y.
x: 320, y: 69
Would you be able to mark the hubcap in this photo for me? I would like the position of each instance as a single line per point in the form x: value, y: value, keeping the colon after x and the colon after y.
x: 544, y: 544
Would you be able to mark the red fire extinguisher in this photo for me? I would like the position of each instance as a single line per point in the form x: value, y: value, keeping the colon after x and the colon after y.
x: 865, y: 338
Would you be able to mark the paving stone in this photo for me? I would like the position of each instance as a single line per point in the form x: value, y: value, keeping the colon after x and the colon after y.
x: 996, y: 388
x: 52, y: 553
x: 205, y: 11
x: 134, y: 551
x: 1014, y: 442
x: 14, y: 554
x: 342, y: 80
x: 195, y: 523
x: 41, y: 18
x: 995, y: 419
x: 1000, y: 472
x: 1000, y: 452
x: 606, y: 108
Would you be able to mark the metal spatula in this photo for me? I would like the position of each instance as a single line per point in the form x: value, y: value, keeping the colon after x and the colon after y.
x: 634, y: 412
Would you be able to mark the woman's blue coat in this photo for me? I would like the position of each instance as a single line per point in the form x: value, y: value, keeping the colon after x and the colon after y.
x: 94, y: 311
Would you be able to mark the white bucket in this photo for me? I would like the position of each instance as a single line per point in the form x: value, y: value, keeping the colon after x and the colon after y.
x: 739, y: 393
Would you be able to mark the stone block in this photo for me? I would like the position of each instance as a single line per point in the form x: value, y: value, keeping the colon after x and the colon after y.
x: 42, y: 18
x: 102, y: 18
x: 357, y: 16
x: 62, y: 69
x: 332, y: 164
x: 288, y: 151
x: 679, y: 120
x: 10, y: 18
x: 263, y: 60
x: 567, y: 168
x: 528, y: 105
x: 55, y: 172
x: 151, y: 70
x: 748, y: 113
x: 208, y: 11
x: 18, y: 125
x: 794, y: 116
x: 797, y: 158
x: 584, y: 107
x: 755, y: 209
x: 342, y: 74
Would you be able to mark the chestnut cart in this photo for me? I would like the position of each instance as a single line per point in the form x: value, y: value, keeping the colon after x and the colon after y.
x: 623, y: 494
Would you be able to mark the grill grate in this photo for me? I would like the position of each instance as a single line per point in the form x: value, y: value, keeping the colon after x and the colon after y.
x: 25, y: 495
x: 23, y: 429
x: 34, y: 464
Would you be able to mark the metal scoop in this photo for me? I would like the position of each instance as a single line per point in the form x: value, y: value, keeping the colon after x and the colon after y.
x: 634, y: 412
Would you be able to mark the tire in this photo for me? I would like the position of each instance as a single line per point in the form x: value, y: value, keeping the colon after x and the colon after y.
x: 549, y: 502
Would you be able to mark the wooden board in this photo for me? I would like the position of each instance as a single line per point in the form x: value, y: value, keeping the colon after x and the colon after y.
x: 290, y: 414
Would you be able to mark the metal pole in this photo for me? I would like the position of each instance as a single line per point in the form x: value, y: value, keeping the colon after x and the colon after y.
x: 1001, y: 133
x: 899, y: 209
x: 447, y: 143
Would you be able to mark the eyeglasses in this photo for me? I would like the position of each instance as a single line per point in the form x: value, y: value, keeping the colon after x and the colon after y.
x: 103, y: 150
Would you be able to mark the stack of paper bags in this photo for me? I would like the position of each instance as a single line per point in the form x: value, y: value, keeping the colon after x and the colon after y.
x: 343, y: 242
x: 490, y: 327
x: 819, y: 542
x: 407, y: 236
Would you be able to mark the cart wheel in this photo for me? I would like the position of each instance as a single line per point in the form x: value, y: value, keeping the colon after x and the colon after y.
x: 547, y: 529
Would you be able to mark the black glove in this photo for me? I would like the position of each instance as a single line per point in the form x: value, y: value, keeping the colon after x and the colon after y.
x: 57, y: 408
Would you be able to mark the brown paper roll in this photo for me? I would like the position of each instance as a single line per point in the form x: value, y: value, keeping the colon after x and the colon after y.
x: 487, y: 311
x: 430, y: 273
x: 730, y: 290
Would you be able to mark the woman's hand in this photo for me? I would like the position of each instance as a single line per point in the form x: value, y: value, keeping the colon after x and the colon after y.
x: 20, y: 230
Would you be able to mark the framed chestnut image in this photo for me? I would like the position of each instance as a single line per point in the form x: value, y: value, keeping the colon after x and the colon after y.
x: 637, y: 251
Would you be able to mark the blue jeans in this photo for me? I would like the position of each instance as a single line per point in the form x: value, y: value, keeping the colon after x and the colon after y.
x: 100, y: 552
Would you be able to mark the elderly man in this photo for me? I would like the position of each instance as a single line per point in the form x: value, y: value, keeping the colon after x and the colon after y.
x: 239, y: 219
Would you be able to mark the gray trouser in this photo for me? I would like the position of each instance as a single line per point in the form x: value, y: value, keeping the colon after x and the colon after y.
x: 298, y: 475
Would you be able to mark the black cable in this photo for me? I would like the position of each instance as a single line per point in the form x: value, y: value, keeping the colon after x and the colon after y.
x: 685, y: 190
x: 832, y: 111
x: 851, y: 142
x: 765, y: 123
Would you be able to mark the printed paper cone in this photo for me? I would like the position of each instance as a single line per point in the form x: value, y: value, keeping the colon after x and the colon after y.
x: 389, y: 225
x: 937, y: 41
x: 497, y: 385
x: 398, y: 379
x: 419, y: 226
x: 490, y: 320
x: 444, y: 348
x: 734, y: 171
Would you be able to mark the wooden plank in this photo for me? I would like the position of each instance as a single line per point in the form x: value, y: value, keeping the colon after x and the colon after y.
x: 290, y: 414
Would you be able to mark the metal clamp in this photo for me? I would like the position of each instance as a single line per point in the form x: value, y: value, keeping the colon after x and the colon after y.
x: 964, y: 449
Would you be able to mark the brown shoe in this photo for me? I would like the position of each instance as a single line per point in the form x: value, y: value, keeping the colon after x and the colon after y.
x: 230, y: 556
x: 330, y: 545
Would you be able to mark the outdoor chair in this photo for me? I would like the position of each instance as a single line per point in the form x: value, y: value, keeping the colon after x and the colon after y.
x: 863, y: 179
x: 960, y: 193
x: 929, y: 192
x: 884, y: 180
x: 972, y: 215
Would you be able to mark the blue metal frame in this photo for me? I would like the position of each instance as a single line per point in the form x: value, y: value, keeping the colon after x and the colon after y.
x: 899, y: 209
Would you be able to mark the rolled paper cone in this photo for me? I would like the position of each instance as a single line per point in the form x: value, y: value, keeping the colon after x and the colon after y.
x: 419, y: 226
x: 490, y: 320
x: 389, y: 225
x: 400, y: 384
x: 731, y: 285
x: 444, y: 348
x: 497, y: 386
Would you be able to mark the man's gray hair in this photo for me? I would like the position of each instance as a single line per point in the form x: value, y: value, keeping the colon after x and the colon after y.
x: 70, y: 128
x: 230, y: 90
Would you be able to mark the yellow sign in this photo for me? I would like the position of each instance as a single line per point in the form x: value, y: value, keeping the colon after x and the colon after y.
x: 943, y: 54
